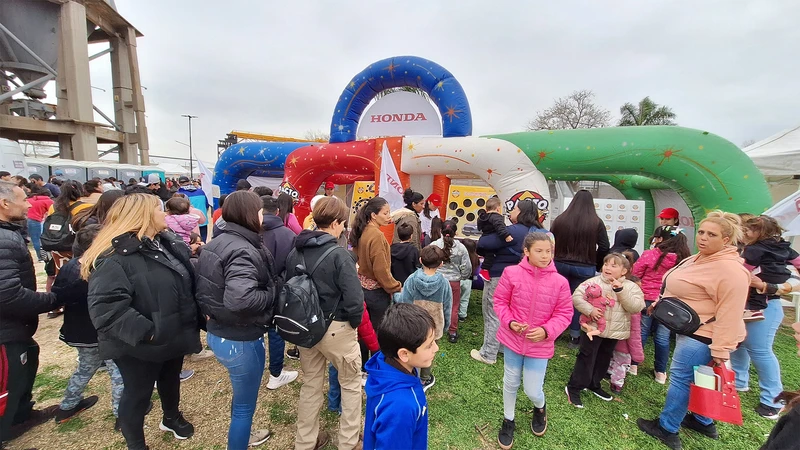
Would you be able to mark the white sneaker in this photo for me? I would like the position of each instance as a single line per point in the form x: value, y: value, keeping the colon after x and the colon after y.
x: 476, y: 355
x: 286, y: 377
x: 363, y: 379
x: 203, y: 354
x: 258, y: 437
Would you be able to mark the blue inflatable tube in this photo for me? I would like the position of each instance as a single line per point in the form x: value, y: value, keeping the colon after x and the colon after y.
x: 261, y: 159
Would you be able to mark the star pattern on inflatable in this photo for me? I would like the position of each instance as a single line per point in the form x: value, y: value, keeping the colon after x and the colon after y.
x: 391, y: 68
x: 452, y: 113
x: 668, y: 153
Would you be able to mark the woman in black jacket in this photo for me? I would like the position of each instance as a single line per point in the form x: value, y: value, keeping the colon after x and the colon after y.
x: 581, y: 245
x: 236, y: 292
x: 141, y: 301
x: 342, y: 301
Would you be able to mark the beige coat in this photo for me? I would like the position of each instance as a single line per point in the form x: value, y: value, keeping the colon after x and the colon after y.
x: 618, y: 317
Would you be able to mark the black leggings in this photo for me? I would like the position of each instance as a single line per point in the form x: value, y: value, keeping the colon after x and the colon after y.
x: 139, y: 376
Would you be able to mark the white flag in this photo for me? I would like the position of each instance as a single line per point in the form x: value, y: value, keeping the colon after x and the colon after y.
x: 206, y: 181
x: 787, y: 213
x: 390, y: 188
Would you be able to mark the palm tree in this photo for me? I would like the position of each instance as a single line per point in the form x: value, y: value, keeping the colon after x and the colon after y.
x: 647, y: 112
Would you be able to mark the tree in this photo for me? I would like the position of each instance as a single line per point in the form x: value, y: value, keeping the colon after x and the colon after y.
x: 317, y: 136
x: 412, y: 89
x: 574, y: 111
x: 647, y: 112
x: 748, y: 143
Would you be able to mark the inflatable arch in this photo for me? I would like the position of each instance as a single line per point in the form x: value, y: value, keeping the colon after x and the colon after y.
x: 261, y: 159
x: 706, y: 170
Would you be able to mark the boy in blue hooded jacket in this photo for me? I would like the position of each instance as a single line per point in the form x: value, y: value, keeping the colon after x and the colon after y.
x: 397, y: 412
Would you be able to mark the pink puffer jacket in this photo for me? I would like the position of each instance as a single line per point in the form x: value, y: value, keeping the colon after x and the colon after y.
x: 633, y: 345
x: 644, y: 268
x: 536, y: 297
x: 183, y: 225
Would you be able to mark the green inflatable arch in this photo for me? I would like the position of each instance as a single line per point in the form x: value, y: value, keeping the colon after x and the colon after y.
x: 707, y: 171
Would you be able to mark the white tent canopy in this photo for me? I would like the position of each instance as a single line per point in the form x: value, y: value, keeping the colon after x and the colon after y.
x: 777, y: 155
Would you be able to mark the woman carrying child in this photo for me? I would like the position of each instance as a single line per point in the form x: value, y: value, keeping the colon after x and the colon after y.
x: 534, y: 306
x: 625, y: 298
x: 766, y: 256
x: 670, y: 248
x: 180, y: 220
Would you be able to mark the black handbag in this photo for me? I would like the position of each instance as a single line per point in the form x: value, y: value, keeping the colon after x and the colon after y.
x: 675, y: 314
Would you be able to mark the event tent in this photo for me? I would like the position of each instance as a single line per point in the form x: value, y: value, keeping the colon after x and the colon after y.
x: 777, y: 155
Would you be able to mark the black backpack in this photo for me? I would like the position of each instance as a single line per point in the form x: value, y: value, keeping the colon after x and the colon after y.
x: 57, y: 233
x: 298, y: 316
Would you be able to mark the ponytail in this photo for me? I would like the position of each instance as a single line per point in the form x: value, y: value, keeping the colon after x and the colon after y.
x: 411, y: 197
x: 674, y: 241
x: 364, y: 215
x: 449, y: 230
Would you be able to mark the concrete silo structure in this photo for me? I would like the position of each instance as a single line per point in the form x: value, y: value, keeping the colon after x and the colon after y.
x: 44, y: 40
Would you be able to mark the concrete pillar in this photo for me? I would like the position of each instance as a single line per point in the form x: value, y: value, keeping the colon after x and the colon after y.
x: 138, y: 98
x: 123, y: 99
x: 75, y: 86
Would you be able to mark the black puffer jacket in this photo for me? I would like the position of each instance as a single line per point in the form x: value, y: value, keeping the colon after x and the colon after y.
x: 336, y: 278
x: 20, y: 304
x: 141, y: 304
x: 235, y: 286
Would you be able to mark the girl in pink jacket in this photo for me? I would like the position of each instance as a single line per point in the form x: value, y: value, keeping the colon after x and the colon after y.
x: 670, y: 248
x: 534, y: 306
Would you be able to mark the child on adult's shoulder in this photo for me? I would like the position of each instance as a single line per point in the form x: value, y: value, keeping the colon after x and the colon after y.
x: 366, y: 334
x: 534, y: 306
x: 595, y: 355
x: 405, y: 256
x: 430, y: 290
x: 396, y: 409
x: 492, y: 222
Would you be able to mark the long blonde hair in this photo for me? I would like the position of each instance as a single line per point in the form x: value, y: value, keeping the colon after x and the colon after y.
x: 130, y: 214
x: 731, y: 224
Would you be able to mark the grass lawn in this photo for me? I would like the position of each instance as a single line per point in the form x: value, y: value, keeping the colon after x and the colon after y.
x: 466, y: 404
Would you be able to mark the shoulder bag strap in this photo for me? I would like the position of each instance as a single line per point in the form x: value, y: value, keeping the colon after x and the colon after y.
x: 664, y: 287
x: 322, y: 258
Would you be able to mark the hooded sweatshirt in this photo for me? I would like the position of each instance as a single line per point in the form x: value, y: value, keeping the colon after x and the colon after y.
x: 714, y: 286
x: 278, y: 239
x: 433, y: 294
x: 771, y: 257
x: 405, y: 260
x: 460, y: 266
x: 645, y: 269
x: 396, y: 411
x: 625, y: 239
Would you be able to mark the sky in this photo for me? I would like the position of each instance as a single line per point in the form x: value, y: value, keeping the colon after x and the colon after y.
x: 725, y: 66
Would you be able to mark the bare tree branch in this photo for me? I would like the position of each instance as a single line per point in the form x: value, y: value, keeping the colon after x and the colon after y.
x: 574, y: 111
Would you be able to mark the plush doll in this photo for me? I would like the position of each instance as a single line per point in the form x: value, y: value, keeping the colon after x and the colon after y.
x: 594, y: 295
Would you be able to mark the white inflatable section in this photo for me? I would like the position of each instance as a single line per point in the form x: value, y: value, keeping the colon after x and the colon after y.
x: 499, y: 163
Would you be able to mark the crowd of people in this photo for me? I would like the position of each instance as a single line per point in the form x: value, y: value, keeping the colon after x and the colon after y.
x: 138, y: 275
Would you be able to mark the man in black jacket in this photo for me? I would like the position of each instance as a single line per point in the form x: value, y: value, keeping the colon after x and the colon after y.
x: 279, y: 240
x: 20, y: 306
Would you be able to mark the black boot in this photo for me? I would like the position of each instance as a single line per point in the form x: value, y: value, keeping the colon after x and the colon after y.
x: 539, y: 421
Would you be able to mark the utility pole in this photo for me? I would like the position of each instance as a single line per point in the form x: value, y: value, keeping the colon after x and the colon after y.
x: 190, y: 117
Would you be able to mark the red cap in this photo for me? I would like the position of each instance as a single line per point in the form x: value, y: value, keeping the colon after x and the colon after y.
x: 329, y: 185
x: 669, y: 213
x: 435, y: 200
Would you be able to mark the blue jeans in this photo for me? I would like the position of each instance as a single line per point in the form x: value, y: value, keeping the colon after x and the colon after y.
x: 35, y: 233
x: 245, y: 363
x: 575, y: 275
x: 276, y: 347
x: 660, y: 339
x: 757, y: 347
x: 530, y: 371
x: 335, y: 391
x: 688, y: 353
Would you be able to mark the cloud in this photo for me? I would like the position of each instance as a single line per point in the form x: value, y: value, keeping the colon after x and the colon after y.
x: 728, y: 67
